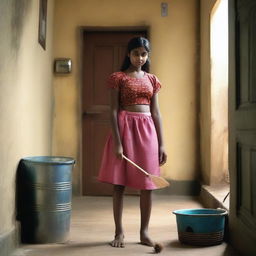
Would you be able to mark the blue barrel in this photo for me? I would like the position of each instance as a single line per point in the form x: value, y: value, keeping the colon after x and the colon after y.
x: 201, y: 226
x: 44, y: 198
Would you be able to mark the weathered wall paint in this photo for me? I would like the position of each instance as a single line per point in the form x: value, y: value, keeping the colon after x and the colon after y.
x: 26, y: 98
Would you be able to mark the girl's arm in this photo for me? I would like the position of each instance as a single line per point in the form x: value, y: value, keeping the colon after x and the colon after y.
x: 114, y: 108
x: 155, y: 112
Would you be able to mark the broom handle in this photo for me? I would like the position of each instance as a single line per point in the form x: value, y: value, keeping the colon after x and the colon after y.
x: 130, y: 161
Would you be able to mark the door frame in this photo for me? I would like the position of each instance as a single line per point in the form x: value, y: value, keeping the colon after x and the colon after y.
x: 80, y: 32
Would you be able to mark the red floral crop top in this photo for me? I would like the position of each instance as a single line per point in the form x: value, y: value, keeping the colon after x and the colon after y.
x: 133, y: 90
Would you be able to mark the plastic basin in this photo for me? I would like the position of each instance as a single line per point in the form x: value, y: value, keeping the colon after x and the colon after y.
x: 201, y: 226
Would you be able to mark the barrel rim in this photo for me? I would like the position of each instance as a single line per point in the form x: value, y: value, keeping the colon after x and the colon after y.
x: 219, y: 212
x: 49, y: 160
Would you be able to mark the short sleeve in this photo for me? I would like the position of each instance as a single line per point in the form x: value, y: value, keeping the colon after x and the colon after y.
x: 155, y: 83
x: 113, y: 80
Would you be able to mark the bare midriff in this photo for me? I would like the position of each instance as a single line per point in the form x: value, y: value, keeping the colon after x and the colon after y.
x: 137, y: 108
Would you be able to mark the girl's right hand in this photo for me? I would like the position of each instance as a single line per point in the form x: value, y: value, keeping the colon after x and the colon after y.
x: 119, y: 152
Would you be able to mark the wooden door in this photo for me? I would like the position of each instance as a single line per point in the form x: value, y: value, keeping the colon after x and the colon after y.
x: 242, y: 124
x: 103, y: 54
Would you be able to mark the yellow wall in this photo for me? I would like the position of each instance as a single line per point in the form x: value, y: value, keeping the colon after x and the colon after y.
x: 219, y: 92
x: 25, y: 98
x: 174, y: 61
x: 213, y: 100
x: 205, y: 89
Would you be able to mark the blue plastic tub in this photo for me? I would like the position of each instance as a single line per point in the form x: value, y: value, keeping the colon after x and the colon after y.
x: 201, y: 226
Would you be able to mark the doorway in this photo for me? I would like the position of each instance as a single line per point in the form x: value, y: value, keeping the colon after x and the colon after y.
x: 103, y: 53
x: 219, y: 93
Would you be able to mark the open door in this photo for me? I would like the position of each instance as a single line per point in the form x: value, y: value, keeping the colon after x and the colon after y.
x: 242, y: 124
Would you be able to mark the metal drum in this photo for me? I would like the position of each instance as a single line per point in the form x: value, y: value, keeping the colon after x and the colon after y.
x: 44, y: 198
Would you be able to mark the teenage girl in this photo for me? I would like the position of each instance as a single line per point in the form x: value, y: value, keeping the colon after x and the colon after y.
x: 136, y: 133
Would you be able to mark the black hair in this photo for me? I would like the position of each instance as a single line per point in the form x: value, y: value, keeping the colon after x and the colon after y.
x: 134, y: 43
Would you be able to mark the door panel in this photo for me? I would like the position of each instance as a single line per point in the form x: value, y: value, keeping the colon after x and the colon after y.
x: 103, y: 54
x: 242, y: 124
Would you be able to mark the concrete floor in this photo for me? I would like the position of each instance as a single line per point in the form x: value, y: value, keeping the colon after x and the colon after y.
x: 92, y: 228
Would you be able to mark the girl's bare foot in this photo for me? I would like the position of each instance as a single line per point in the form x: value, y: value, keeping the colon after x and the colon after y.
x: 118, y: 241
x: 145, y: 240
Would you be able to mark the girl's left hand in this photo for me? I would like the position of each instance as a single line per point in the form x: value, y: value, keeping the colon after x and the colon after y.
x: 162, y: 156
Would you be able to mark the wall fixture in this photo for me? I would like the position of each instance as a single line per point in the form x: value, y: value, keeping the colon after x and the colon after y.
x: 164, y: 9
x: 62, y: 66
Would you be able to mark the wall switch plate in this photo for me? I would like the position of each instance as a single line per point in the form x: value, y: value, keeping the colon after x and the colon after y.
x: 164, y: 9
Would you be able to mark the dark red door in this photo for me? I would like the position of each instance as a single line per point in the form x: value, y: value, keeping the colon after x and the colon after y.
x: 103, y: 54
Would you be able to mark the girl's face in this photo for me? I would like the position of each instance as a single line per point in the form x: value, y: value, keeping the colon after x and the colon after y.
x: 138, y: 57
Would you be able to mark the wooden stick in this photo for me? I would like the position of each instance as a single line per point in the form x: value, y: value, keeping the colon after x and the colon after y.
x: 130, y: 161
x: 157, y: 180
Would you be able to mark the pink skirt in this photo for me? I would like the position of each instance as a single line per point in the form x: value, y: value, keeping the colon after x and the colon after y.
x: 140, y: 144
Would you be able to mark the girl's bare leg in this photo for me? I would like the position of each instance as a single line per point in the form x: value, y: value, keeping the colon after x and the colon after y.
x: 118, y: 211
x: 145, y: 210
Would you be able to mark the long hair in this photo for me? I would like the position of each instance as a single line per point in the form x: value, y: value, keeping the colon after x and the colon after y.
x: 134, y: 43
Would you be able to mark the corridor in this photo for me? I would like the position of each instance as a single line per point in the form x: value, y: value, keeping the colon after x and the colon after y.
x: 92, y: 228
